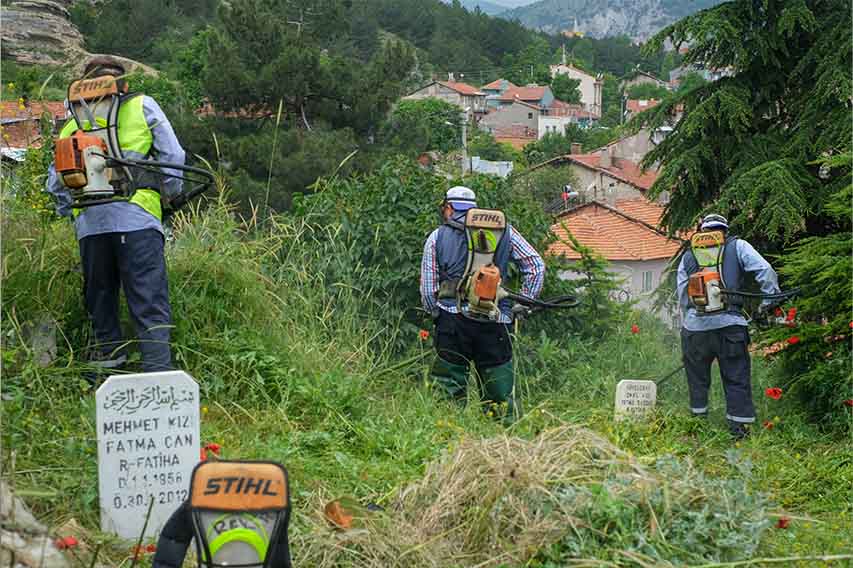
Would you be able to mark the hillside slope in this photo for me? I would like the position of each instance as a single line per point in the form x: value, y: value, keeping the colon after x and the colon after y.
x: 638, y: 19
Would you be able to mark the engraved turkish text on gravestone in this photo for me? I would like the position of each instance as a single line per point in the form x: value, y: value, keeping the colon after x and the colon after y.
x: 148, y: 444
x: 635, y: 398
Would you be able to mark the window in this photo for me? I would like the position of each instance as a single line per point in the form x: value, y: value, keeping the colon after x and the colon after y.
x: 647, y: 281
x: 530, y: 115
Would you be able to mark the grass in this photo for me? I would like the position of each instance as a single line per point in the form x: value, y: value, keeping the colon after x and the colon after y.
x: 293, y: 368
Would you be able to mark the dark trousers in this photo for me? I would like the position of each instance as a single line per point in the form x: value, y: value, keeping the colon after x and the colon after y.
x: 132, y: 261
x: 729, y: 346
x: 461, y: 340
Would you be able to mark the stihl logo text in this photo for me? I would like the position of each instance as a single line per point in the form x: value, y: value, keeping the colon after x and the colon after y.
x: 486, y: 217
x: 239, y: 486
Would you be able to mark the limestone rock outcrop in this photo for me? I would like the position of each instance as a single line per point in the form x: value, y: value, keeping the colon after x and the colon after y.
x: 40, y: 32
x: 24, y: 542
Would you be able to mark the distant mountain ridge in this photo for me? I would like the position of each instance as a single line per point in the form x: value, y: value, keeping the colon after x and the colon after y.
x: 491, y: 7
x: 638, y: 19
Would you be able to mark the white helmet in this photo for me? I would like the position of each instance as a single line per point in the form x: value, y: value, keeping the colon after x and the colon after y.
x: 714, y: 221
x: 461, y: 198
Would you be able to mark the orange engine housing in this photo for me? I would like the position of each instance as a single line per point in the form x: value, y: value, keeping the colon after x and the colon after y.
x: 697, y: 286
x: 486, y: 282
x: 69, y: 158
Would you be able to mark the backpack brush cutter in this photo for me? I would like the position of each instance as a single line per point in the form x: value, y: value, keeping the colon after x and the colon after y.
x: 480, y: 284
x: 91, y: 163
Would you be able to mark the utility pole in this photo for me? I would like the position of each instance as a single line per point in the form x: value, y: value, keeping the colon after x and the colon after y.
x: 466, y: 166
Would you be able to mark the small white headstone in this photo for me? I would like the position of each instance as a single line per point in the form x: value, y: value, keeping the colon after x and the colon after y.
x: 635, y: 398
x: 148, y: 444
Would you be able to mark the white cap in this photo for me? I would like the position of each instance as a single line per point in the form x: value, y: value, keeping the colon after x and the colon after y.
x: 714, y: 221
x: 461, y: 198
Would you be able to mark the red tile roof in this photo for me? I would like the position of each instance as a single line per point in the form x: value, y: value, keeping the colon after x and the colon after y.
x: 641, y: 209
x: 23, y: 133
x: 560, y: 108
x: 461, y: 88
x: 621, y: 168
x: 12, y: 109
x: 497, y: 85
x: 523, y: 93
x: 613, y: 233
x: 639, y: 105
x: 20, y: 126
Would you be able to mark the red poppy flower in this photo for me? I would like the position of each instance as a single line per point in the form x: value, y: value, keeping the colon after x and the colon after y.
x: 213, y: 448
x: 140, y: 551
x: 635, y: 328
x: 849, y: 402
x: 851, y: 324
x: 793, y: 340
x: 775, y: 393
x: 782, y: 523
x: 768, y: 425
x: 66, y: 542
x: 423, y: 334
x: 792, y: 313
x: 778, y: 312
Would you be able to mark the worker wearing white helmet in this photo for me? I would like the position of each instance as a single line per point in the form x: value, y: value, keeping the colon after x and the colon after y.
x: 462, y: 335
x: 714, y: 325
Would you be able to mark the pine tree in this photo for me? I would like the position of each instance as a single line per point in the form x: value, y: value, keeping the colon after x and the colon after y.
x: 768, y: 145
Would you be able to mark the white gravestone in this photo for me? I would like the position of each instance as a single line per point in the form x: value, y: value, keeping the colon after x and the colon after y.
x: 148, y: 444
x: 635, y: 398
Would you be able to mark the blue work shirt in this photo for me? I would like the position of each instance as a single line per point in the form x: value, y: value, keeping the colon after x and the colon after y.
x: 752, y: 263
x: 124, y: 217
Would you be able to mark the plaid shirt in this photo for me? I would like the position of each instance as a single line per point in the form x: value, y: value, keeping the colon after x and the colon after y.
x: 521, y: 253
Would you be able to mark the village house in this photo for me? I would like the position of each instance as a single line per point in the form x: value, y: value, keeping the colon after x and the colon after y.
x: 540, y: 96
x: 626, y: 233
x: 536, y: 121
x: 590, y: 87
x: 638, y: 77
x: 636, y: 106
x: 459, y: 94
x: 494, y: 90
x: 557, y: 117
x: 603, y: 175
x: 514, y: 116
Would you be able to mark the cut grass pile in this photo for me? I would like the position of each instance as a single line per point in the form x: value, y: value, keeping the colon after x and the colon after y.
x: 567, y: 493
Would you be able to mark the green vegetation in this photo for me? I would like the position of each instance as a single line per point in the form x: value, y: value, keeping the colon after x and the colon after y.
x: 566, y: 89
x: 303, y: 333
x: 416, y: 126
x: 297, y: 310
x: 32, y: 82
x: 300, y: 360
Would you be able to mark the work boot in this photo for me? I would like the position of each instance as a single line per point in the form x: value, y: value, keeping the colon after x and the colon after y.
x: 738, y: 430
x: 499, y: 392
x: 451, y: 378
x: 101, y: 366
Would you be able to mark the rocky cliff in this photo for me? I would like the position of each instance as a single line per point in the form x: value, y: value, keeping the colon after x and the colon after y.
x: 638, y: 19
x: 40, y: 32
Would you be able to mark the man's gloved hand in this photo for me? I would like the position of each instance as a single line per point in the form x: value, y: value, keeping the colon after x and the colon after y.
x: 519, y: 312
